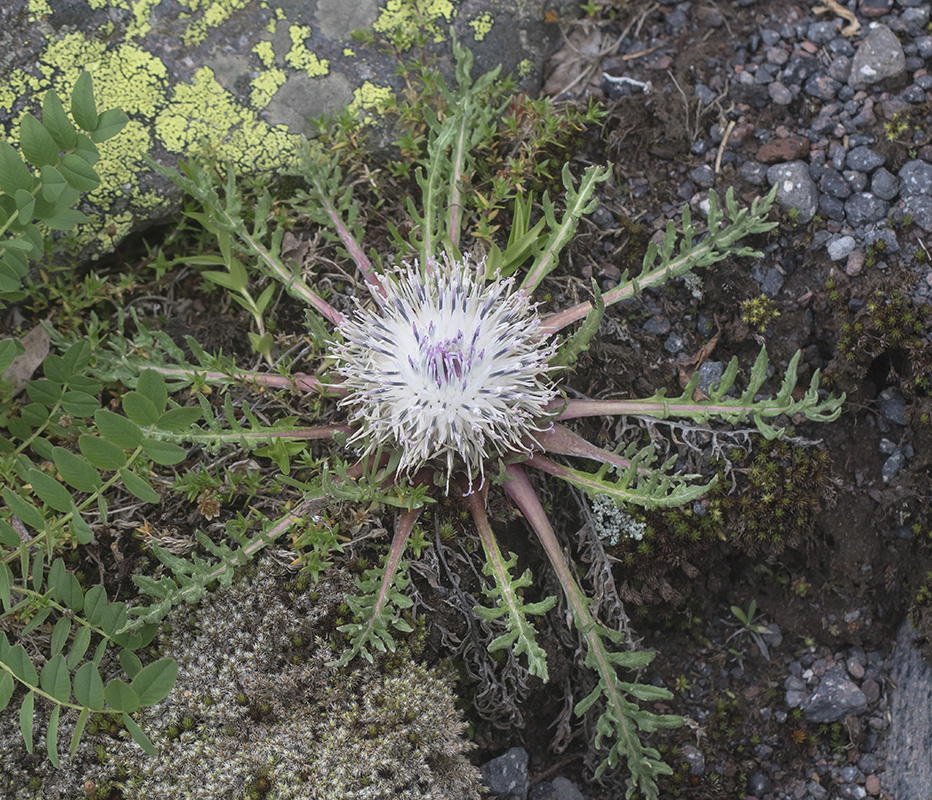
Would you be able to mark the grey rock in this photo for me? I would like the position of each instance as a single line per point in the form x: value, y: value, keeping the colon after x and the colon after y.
x: 542, y: 791
x: 892, y: 406
x: 919, y: 206
x: 823, y: 87
x: 863, y: 208
x: 851, y: 792
x: 506, y: 776
x: 710, y: 373
x: 754, y: 172
x: 776, y: 55
x: 795, y: 691
x: 759, y: 784
x: 856, y: 180
x: 772, y: 283
x: 915, y: 19
x: 815, y: 790
x: 821, y: 33
x: 916, y: 177
x: 834, y: 699
x: 780, y: 94
x: 840, y: 69
x: 878, y: 57
x: 693, y: 756
x: 924, y: 46
x: 674, y: 344
x: 834, y: 184
x: 840, y: 47
x: 887, y: 236
x: 864, y: 159
x: 566, y: 790
x: 884, y: 184
x: 839, y: 248
x: 703, y: 176
x: 770, y: 37
x: 832, y: 207
x: 795, y: 189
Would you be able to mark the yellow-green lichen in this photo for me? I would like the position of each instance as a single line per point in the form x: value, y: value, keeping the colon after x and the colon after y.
x: 213, y: 15
x: 266, y: 53
x: 481, y: 25
x: 300, y: 58
x: 401, y: 20
x: 204, y: 114
x: 264, y: 87
x: 370, y: 97
x: 38, y: 9
x: 525, y: 67
x: 348, y: 52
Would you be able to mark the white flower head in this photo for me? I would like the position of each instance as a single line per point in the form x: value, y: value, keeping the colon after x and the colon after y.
x: 447, y: 367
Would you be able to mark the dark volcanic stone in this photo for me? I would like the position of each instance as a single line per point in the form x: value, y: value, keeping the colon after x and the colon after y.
x: 916, y: 177
x: 884, y: 184
x: 864, y: 159
x: 835, y: 698
x: 879, y: 56
x: 863, y: 208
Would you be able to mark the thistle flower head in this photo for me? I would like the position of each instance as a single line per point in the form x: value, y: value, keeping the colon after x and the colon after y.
x: 447, y: 367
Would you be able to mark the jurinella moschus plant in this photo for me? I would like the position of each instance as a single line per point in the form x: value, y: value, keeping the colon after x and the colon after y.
x: 446, y: 381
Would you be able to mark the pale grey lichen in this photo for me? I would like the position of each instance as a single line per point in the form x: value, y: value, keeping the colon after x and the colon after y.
x: 257, y: 712
x: 612, y: 524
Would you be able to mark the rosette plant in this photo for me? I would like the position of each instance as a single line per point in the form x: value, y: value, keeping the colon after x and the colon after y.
x: 447, y: 380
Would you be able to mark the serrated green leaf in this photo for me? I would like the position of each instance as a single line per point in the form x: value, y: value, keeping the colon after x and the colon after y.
x: 109, y: 124
x: 140, y: 409
x: 89, y: 686
x: 49, y: 490
x: 83, y: 107
x: 138, y: 736
x: 21, y: 666
x: 14, y: 174
x: 56, y: 121
x: 60, y: 634
x: 75, y: 470
x: 25, y: 203
x: 24, y: 510
x: 82, y: 640
x: 120, y: 696
x: 117, y: 429
x: 177, y: 419
x: 36, y: 142
x: 78, y: 173
x: 101, y: 453
x: 164, y: 453
x: 154, y: 682
x: 26, y: 719
x: 152, y: 386
x: 6, y: 689
x: 55, y: 679
x: 138, y: 487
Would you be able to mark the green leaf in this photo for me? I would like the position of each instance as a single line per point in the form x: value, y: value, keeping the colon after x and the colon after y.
x: 66, y: 219
x: 154, y: 682
x: 117, y: 429
x: 25, y: 204
x: 21, y: 666
x: 6, y: 689
x: 82, y: 640
x: 75, y: 470
x: 138, y: 736
x: 49, y: 490
x: 86, y: 150
x: 60, y: 634
x: 55, y: 679
x: 24, y: 510
x: 51, y: 737
x: 95, y: 603
x: 56, y: 121
x: 45, y: 391
x: 53, y: 184
x: 9, y: 349
x: 89, y: 686
x: 152, y: 385
x: 37, y: 143
x: 25, y: 719
x: 79, y: 730
x: 6, y: 580
x: 177, y: 419
x: 83, y: 107
x: 164, y: 453
x: 130, y: 663
x: 101, y: 453
x: 78, y: 173
x: 113, y: 618
x: 109, y: 124
x: 79, y: 528
x: 140, y: 409
x: 120, y: 696
x: 138, y: 487
x: 14, y: 174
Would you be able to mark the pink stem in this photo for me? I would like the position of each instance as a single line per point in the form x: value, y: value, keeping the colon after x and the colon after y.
x: 402, y: 530
x: 564, y: 442
x: 605, y: 408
